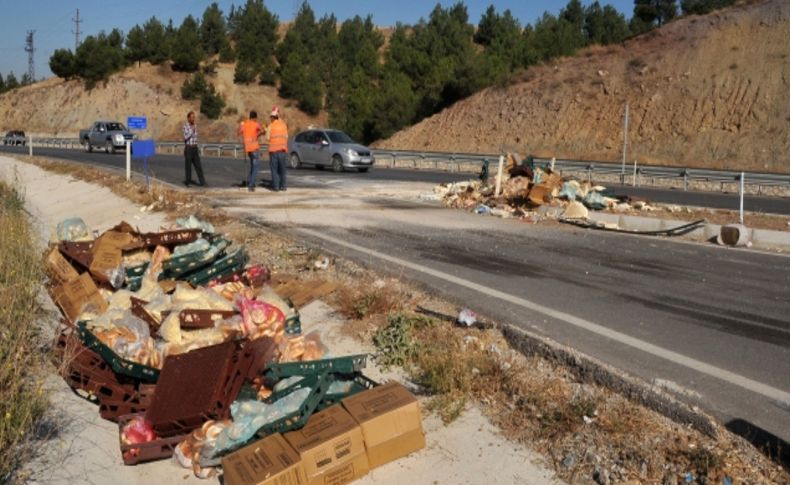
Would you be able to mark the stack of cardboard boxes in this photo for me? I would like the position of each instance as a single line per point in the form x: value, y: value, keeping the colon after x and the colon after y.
x: 337, y: 445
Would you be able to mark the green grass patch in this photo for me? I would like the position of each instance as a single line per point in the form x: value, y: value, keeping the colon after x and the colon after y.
x: 22, y: 401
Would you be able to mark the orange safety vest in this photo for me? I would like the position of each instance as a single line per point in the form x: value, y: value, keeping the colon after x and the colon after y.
x: 278, y: 137
x: 250, y: 130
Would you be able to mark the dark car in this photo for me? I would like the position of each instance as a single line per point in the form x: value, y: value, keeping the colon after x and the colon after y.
x: 15, y: 137
x: 328, y: 148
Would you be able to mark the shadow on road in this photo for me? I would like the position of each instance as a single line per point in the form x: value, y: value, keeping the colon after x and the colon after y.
x: 771, y: 445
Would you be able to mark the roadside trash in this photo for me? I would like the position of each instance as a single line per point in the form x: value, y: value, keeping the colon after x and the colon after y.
x: 483, y: 210
x: 195, y: 356
x: 575, y: 210
x: 467, y: 317
x: 321, y: 263
x: 736, y: 235
x: 594, y: 200
x: 73, y: 229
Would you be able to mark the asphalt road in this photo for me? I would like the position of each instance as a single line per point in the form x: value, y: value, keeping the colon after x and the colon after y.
x: 708, y: 324
x: 225, y: 172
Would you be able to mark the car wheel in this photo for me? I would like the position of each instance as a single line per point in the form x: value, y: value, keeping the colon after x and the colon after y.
x: 337, y: 163
x: 294, y: 161
x: 363, y: 169
x: 88, y: 146
x: 109, y: 147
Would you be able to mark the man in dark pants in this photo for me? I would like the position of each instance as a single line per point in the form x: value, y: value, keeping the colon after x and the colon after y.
x: 191, y: 152
x: 278, y: 151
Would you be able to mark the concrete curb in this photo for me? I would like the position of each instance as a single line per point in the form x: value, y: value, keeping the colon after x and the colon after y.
x: 760, y: 238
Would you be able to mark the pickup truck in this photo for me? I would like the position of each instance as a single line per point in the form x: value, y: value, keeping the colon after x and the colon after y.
x: 111, y: 135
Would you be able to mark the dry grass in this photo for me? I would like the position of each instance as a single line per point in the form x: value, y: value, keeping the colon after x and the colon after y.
x: 21, y: 400
x: 585, y: 431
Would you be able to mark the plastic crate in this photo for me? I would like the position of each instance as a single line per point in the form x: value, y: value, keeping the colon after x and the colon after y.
x: 137, y: 270
x: 198, y: 386
x: 137, y: 401
x: 170, y: 238
x: 187, y: 263
x: 158, y: 449
x: 357, y: 383
x: 342, y: 365
x: 219, y: 268
x: 118, y: 364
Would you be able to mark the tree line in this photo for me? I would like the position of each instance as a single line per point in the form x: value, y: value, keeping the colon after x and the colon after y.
x: 369, y: 90
x: 11, y: 82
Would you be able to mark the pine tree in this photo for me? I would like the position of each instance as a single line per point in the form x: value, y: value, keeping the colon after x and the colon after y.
x: 61, y: 63
x: 254, y: 29
x: 136, y: 49
x: 186, y: 49
x: 11, y: 82
x: 655, y: 12
x: 2, y: 84
x: 213, y: 30
x: 157, y: 51
x: 211, y: 103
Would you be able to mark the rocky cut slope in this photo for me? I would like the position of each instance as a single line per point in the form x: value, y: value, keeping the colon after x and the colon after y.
x: 704, y: 91
x: 61, y: 108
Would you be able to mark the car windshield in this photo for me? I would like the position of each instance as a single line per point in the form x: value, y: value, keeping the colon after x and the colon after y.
x: 339, y: 137
x: 115, y: 127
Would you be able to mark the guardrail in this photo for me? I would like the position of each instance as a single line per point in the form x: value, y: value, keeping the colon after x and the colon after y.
x: 471, y: 162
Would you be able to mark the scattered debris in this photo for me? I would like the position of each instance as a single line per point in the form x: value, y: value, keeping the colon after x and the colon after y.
x: 467, y: 317
x: 192, y: 352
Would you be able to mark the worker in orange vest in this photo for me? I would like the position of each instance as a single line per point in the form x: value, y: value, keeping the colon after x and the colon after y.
x: 250, y: 131
x: 278, y: 150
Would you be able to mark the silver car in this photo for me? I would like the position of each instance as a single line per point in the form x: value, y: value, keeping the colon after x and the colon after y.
x: 328, y: 148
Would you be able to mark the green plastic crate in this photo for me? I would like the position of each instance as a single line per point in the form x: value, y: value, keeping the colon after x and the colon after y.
x: 341, y: 365
x: 357, y: 383
x: 221, y: 267
x: 187, y: 263
x: 118, y: 364
x: 137, y: 270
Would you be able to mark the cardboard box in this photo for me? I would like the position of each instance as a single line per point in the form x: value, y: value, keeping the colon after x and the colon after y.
x: 76, y: 295
x: 391, y: 422
x: 60, y: 269
x: 106, y: 258
x: 331, y: 447
x: 270, y: 461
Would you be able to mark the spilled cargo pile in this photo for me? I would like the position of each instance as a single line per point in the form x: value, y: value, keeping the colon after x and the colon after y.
x: 196, y: 356
x: 526, y: 191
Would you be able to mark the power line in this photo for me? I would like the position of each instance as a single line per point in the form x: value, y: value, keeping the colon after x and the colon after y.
x: 76, y: 31
x: 31, y: 65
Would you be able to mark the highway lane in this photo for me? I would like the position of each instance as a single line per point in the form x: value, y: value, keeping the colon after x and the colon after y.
x: 708, y: 324
x: 226, y: 172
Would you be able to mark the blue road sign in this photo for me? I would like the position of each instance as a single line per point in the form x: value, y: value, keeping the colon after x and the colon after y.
x: 137, y: 122
x: 143, y: 148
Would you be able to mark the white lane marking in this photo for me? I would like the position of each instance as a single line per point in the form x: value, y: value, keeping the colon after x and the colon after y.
x: 697, y: 365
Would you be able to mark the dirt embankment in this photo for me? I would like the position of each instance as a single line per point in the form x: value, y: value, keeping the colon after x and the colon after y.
x: 61, y: 108
x: 704, y: 91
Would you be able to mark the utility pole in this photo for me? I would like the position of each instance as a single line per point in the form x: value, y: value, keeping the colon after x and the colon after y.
x: 76, y: 31
x: 625, y: 145
x: 31, y: 66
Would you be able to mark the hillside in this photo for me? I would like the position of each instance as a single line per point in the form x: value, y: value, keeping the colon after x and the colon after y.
x: 61, y: 108
x: 706, y: 91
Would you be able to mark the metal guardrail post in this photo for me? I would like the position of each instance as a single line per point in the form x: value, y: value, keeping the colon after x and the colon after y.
x: 590, y: 169
x: 685, y: 179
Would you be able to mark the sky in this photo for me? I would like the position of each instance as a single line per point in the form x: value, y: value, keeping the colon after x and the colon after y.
x: 53, y: 20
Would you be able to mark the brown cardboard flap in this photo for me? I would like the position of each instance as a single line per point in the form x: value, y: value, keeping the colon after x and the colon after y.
x: 60, y: 269
x: 106, y: 258
x: 119, y: 240
x: 77, y: 295
x: 270, y: 461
